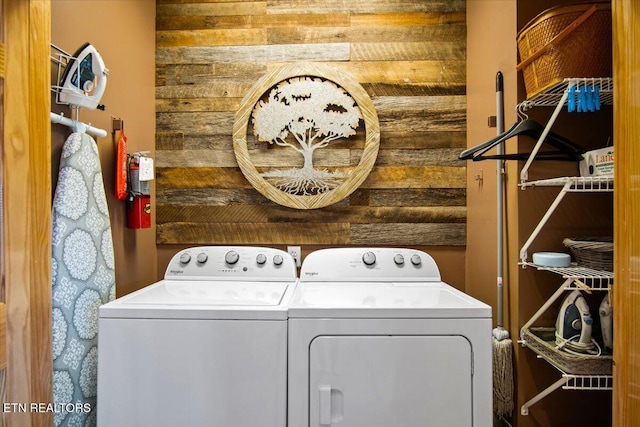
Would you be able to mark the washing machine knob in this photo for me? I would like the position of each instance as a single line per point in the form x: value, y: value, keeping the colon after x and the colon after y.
x: 261, y: 259
x: 231, y: 257
x: 202, y: 258
x: 185, y: 258
x: 398, y: 259
x: 278, y: 260
x: 369, y: 258
x: 416, y: 260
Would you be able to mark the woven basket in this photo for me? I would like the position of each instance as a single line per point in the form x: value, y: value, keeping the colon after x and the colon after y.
x: 592, y: 252
x: 564, y: 42
x: 542, y: 341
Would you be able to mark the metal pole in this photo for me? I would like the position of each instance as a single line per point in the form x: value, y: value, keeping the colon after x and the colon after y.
x: 500, y: 165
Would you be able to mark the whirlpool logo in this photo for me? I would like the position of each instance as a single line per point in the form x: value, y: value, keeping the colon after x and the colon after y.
x: 311, y: 273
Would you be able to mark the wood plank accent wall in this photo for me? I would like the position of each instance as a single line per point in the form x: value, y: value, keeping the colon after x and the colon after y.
x: 409, y: 56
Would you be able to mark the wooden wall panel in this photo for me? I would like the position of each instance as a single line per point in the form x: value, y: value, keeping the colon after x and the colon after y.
x: 410, y: 56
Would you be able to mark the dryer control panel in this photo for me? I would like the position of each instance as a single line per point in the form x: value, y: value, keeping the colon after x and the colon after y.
x: 369, y: 264
x: 232, y: 263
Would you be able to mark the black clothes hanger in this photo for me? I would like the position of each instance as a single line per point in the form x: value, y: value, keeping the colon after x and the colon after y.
x: 564, y: 148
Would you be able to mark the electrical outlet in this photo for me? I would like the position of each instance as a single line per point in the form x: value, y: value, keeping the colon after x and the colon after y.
x: 296, y: 254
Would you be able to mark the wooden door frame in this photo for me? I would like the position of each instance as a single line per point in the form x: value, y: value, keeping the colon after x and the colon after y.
x: 3, y: 306
x: 626, y: 290
x: 27, y: 200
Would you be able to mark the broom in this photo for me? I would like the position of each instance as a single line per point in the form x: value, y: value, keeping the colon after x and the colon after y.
x: 502, y: 345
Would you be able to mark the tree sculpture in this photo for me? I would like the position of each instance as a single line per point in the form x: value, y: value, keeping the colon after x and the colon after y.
x: 305, y: 114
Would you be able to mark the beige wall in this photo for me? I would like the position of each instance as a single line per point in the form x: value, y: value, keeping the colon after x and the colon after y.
x: 491, y: 47
x: 124, y: 34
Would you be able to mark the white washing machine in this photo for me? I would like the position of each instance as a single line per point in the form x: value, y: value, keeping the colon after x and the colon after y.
x: 376, y: 339
x: 206, y: 346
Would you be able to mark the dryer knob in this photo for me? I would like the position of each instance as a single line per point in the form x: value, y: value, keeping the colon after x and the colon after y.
x: 416, y: 260
x: 398, y: 259
x: 202, y: 258
x: 261, y: 259
x: 278, y: 260
x: 231, y: 257
x: 185, y: 258
x: 369, y: 258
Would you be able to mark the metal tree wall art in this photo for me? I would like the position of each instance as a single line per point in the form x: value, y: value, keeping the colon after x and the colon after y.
x: 314, y: 112
x: 302, y: 108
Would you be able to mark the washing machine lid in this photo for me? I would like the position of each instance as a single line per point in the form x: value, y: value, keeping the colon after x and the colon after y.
x: 202, y: 299
x: 384, y: 300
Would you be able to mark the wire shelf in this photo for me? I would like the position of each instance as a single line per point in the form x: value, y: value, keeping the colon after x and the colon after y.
x: 569, y: 185
x: 588, y: 382
x: 558, y: 96
x: 552, y: 96
x: 575, y: 183
x: 571, y: 382
x: 592, y: 373
x: 595, y: 279
x: 576, y: 277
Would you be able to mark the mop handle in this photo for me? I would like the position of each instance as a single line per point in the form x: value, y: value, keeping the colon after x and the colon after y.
x: 500, y: 201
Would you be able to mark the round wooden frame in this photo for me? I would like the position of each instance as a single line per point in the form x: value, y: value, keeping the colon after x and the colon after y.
x: 356, y: 175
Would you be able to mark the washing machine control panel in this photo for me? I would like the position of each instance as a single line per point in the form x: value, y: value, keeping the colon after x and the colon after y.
x: 369, y: 264
x: 232, y: 263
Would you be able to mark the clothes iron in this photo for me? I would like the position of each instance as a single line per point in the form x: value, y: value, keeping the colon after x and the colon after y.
x: 574, y: 325
x: 84, y: 79
x: 606, y: 322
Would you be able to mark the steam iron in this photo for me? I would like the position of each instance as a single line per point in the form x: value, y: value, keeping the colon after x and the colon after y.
x: 84, y: 79
x: 606, y: 322
x: 574, y: 325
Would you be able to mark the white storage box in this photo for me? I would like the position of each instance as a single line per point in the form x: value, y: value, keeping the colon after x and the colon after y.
x: 597, y: 162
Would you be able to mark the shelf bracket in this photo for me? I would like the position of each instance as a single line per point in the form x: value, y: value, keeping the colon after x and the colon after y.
x: 571, y: 382
x: 549, y: 302
x: 524, y: 173
x: 524, y: 410
x: 543, y: 221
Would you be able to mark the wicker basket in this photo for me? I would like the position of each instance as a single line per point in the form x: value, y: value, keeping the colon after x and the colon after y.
x: 592, y: 252
x: 564, y: 42
x: 542, y: 341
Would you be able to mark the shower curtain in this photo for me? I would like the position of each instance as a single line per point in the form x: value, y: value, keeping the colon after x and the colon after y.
x: 82, y: 278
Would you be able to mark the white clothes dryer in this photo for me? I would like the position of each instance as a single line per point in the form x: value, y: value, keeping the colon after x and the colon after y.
x: 376, y: 339
x: 206, y: 346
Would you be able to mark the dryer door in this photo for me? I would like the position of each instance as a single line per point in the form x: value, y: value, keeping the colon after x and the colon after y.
x: 382, y: 381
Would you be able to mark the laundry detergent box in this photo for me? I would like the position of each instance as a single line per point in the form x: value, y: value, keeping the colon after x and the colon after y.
x: 597, y: 162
